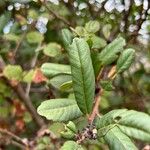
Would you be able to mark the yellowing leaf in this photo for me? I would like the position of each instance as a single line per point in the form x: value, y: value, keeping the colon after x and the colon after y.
x: 52, y: 49
x: 92, y: 26
x: 34, y: 37
x: 13, y: 72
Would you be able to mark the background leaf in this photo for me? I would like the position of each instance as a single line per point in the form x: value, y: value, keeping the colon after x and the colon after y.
x: 108, y: 54
x: 92, y: 26
x: 28, y: 76
x: 80, y: 31
x: 107, y: 85
x: 59, y: 80
x: 71, y: 145
x: 67, y: 37
x: 13, y: 72
x: 52, y: 49
x: 97, y: 42
x: 4, y: 19
x: 34, y: 37
x: 125, y: 60
x: 52, y: 69
x: 11, y: 37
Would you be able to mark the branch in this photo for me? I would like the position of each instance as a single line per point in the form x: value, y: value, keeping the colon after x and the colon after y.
x: 27, y: 101
x: 33, y: 63
x: 19, y: 43
x: 25, y: 98
x: 18, y: 145
x: 103, y: 74
x: 126, y: 16
x: 95, y: 111
x: 19, y: 142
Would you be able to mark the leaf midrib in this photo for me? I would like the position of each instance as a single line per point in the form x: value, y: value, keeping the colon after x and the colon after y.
x: 118, y: 138
x: 59, y: 107
x: 83, y: 81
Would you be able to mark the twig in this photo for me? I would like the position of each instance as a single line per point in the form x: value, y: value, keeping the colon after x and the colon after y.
x: 99, y: 75
x: 19, y: 43
x: 44, y: 2
x: 18, y: 145
x: 12, y: 135
x: 33, y: 63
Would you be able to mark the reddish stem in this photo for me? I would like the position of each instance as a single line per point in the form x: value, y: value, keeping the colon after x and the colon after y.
x: 95, y: 111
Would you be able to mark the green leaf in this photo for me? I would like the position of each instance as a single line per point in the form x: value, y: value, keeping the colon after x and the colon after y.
x: 103, y: 131
x: 107, y: 85
x: 106, y: 30
x: 118, y: 140
x: 136, y: 119
x: 52, y: 49
x: 59, y: 110
x: 59, y: 80
x: 92, y: 26
x: 28, y: 76
x: 70, y: 131
x: 66, y: 85
x: 34, y: 37
x: 33, y: 14
x: 11, y: 37
x: 52, y: 69
x: 80, y: 31
x: 4, y: 19
x: 109, y: 53
x: 82, y: 74
x: 111, y: 117
x: 97, y: 42
x: 129, y: 121
x: 135, y: 133
x: 67, y: 37
x: 71, y: 145
x: 72, y: 127
x: 5, y: 89
x: 13, y: 72
x: 68, y: 134
x: 125, y: 60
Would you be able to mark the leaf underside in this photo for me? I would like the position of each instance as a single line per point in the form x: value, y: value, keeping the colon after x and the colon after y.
x: 52, y: 69
x: 59, y: 109
x: 118, y: 140
x: 132, y: 123
x: 82, y: 74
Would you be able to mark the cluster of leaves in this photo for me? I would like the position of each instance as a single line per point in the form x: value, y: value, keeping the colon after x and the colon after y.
x: 71, y: 68
x: 116, y: 126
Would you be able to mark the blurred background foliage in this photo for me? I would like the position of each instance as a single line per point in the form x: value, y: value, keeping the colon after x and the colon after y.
x: 30, y: 36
